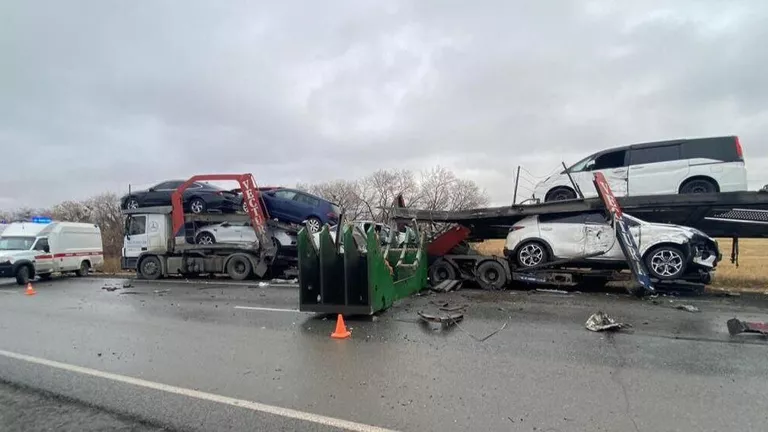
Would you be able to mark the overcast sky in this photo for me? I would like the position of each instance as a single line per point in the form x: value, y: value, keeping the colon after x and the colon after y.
x: 98, y: 94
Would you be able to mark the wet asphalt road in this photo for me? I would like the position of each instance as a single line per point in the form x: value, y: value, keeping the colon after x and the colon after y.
x: 673, y: 370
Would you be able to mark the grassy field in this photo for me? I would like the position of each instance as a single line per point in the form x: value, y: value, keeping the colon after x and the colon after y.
x: 750, y: 275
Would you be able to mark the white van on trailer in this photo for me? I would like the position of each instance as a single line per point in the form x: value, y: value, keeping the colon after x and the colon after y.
x: 35, y: 249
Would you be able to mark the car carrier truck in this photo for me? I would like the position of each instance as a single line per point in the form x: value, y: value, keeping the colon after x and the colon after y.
x: 159, y: 241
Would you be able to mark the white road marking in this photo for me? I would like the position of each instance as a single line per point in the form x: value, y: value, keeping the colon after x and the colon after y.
x: 269, y: 309
x: 254, y: 284
x: 241, y: 403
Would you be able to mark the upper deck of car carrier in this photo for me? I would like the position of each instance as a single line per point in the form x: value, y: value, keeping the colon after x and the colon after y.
x: 729, y: 214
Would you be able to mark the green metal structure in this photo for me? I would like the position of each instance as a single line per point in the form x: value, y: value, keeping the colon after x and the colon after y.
x: 350, y: 280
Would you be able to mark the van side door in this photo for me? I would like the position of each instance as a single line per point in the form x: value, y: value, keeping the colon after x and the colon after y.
x: 656, y: 170
x: 43, y: 256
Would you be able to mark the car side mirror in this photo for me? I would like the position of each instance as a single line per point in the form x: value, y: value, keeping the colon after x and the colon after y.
x: 151, y: 189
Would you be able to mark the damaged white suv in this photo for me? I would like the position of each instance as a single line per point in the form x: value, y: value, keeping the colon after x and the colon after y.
x: 669, y: 251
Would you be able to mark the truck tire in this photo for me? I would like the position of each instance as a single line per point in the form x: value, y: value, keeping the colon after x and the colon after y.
x: 23, y: 275
x: 150, y: 268
x: 491, y: 275
x: 239, y: 267
x: 441, y: 270
x: 85, y: 267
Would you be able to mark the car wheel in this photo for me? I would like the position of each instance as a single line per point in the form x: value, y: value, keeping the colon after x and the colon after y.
x: 491, y: 275
x: 314, y: 224
x: 665, y: 262
x: 197, y: 206
x: 698, y: 186
x: 531, y: 254
x: 150, y: 268
x: 440, y: 271
x: 205, y: 238
x: 239, y: 268
x: 245, y: 207
x: 85, y: 267
x: 23, y: 275
x: 132, y: 203
x: 560, y: 194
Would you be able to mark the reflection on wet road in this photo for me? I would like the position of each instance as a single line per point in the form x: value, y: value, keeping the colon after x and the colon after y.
x: 246, y: 342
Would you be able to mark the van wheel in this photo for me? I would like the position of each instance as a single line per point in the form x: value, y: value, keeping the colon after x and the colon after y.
x: 239, y: 268
x: 85, y: 267
x: 23, y: 275
x: 150, y: 268
x: 560, y: 194
x: 491, y: 275
x: 698, y: 186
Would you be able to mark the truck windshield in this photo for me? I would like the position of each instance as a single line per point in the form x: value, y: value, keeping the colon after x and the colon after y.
x: 16, y: 243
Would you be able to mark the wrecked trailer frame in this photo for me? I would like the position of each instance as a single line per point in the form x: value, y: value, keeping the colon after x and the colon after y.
x: 494, y: 273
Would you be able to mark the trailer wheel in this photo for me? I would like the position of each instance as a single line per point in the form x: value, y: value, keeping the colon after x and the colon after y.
x: 239, y: 268
x: 150, y: 268
x: 491, y: 275
x: 441, y: 270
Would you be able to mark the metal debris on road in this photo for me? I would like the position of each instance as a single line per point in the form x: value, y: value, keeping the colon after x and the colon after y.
x: 456, y: 308
x: 443, y: 319
x: 263, y: 284
x: 551, y: 291
x: 736, y: 326
x: 285, y: 281
x: 447, y: 285
x: 162, y: 291
x: 600, y: 321
x: 688, y: 308
x: 110, y: 288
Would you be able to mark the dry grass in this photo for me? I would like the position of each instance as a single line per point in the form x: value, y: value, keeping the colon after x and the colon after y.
x: 750, y: 275
x: 111, y: 265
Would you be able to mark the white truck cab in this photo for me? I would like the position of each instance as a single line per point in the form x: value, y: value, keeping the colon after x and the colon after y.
x: 29, y: 249
x: 145, y: 232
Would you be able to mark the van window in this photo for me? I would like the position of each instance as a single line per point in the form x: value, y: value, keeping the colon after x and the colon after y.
x: 722, y: 149
x: 41, y: 244
x: 655, y: 154
x: 138, y: 225
x: 616, y: 159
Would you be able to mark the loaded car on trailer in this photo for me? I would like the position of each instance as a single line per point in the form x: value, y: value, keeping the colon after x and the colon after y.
x: 161, y: 241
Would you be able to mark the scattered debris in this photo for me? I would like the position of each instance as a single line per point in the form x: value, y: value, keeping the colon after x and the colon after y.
x: 444, y: 320
x: 727, y: 294
x: 162, y: 291
x: 127, y: 284
x: 285, y: 281
x: 457, y: 308
x: 133, y: 292
x: 110, y: 288
x: 263, y: 284
x: 688, y: 308
x: 551, y: 291
x: 600, y: 321
x: 447, y: 285
x: 736, y: 326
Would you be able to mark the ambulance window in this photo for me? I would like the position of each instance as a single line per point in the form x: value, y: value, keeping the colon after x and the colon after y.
x: 138, y: 225
x: 41, y: 245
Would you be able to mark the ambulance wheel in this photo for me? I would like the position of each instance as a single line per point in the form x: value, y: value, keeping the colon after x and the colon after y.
x: 23, y: 275
x: 85, y: 267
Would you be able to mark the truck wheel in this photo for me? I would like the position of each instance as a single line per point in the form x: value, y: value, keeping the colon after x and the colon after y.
x: 441, y: 270
x: 23, y: 275
x: 239, y: 268
x: 150, y: 268
x: 85, y: 267
x: 491, y: 275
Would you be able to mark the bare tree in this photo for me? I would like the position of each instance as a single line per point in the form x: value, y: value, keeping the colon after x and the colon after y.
x: 105, y: 212
x: 71, y: 211
x: 379, y: 190
x: 440, y: 189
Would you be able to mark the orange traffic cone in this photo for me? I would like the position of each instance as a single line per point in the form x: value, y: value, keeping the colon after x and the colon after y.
x: 341, y: 329
x: 30, y: 291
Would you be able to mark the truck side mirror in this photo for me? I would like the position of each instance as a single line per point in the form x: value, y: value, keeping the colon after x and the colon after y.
x: 47, y: 249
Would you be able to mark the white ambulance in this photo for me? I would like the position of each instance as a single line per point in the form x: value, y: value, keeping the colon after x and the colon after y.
x: 29, y: 249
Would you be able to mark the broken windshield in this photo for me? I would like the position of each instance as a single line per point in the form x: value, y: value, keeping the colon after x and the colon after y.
x: 16, y: 243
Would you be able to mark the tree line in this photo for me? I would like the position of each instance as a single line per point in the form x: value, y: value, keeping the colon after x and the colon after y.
x: 368, y: 198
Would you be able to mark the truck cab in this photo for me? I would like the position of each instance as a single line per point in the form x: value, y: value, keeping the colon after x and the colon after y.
x: 144, y: 232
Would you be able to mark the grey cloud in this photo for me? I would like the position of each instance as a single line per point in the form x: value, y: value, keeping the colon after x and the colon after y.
x: 110, y: 93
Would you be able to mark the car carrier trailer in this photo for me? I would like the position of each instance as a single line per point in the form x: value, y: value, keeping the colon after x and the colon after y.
x: 159, y: 241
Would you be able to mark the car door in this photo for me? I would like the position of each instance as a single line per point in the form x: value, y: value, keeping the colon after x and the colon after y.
x: 160, y: 195
x: 656, y: 170
x: 281, y: 204
x: 305, y: 205
x: 247, y: 233
x: 226, y: 232
x: 600, y: 237
x: 564, y: 233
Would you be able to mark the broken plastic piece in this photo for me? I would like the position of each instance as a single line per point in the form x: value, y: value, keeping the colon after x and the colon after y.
x: 688, y: 308
x: 736, y: 326
x: 600, y: 321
